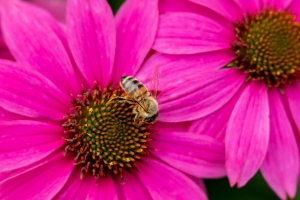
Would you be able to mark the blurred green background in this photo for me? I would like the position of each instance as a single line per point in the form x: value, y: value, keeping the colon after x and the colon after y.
x: 256, y: 189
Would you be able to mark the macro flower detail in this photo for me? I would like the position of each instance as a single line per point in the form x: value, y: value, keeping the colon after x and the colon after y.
x: 62, y: 134
x: 267, y: 48
x: 245, y: 61
x: 103, y: 134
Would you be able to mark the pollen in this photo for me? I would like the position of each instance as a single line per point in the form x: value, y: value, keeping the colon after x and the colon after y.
x: 103, y: 136
x: 267, y: 48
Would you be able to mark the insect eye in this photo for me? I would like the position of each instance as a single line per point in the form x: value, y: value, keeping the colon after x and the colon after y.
x: 151, y: 119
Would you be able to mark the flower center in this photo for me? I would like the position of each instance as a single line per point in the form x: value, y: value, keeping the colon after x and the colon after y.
x: 268, y: 48
x: 103, y: 136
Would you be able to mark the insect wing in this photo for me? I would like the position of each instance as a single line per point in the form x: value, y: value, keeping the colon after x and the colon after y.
x: 142, y: 102
x: 155, y: 81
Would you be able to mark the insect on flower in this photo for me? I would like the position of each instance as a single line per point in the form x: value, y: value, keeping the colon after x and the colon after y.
x: 146, y: 105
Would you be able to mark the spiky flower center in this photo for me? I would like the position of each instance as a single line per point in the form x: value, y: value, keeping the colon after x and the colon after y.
x: 268, y: 48
x: 103, y: 136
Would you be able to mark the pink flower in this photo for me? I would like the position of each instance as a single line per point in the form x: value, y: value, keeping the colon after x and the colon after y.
x: 55, y: 7
x: 54, y: 61
x: 244, y: 60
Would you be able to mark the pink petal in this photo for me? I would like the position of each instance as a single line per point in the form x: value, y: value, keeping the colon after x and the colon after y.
x: 169, y: 127
x: 176, y: 67
x: 165, y: 182
x: 216, y: 122
x: 293, y: 97
x: 249, y: 7
x: 91, y: 36
x: 56, y: 7
x: 28, y: 93
x: 5, y: 115
x: 295, y: 9
x: 247, y: 134
x: 134, y: 188
x: 281, y: 165
x: 227, y: 8
x: 200, y: 183
x: 36, y: 39
x: 177, y: 6
x: 105, y: 190
x: 211, y: 87
x: 87, y: 188
x: 4, y: 52
x: 32, y: 140
x: 195, y: 154
x: 211, y: 93
x: 188, y: 33
x: 75, y: 188
x: 42, y: 182
x: 24, y: 169
x: 188, y: 6
x: 278, y: 4
x: 136, y: 23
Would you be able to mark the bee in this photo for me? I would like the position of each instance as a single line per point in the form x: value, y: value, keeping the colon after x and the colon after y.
x: 146, y: 106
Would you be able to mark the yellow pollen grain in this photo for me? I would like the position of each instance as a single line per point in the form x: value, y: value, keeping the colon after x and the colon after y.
x: 139, y: 150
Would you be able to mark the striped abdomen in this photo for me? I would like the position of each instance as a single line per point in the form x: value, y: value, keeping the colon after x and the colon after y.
x: 134, y: 88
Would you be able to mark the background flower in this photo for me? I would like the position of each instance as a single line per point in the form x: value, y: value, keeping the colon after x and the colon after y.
x: 260, y: 126
x: 52, y: 63
x: 56, y: 7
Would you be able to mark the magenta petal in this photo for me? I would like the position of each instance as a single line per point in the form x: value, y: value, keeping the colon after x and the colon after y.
x: 211, y: 93
x: 134, y: 188
x: 136, y: 23
x: 169, y: 126
x: 247, y: 134
x: 92, y: 38
x: 195, y: 154
x: 165, y: 182
x: 87, y: 188
x: 228, y: 8
x: 281, y: 165
x: 42, y: 182
x: 293, y: 97
x: 173, y: 68
x: 215, y: 124
x: 211, y: 87
x: 278, y: 4
x: 178, y: 6
x: 16, y: 172
x: 30, y: 94
x: 295, y: 9
x: 249, y: 7
x: 105, y: 190
x: 32, y: 140
x: 35, y: 38
x: 75, y: 188
x: 56, y: 7
x: 188, y: 33
x: 5, y: 115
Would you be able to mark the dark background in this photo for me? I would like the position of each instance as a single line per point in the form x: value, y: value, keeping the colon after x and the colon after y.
x: 256, y: 189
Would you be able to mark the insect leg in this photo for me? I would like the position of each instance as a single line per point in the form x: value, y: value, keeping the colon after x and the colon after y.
x: 123, y: 99
x: 134, y: 111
